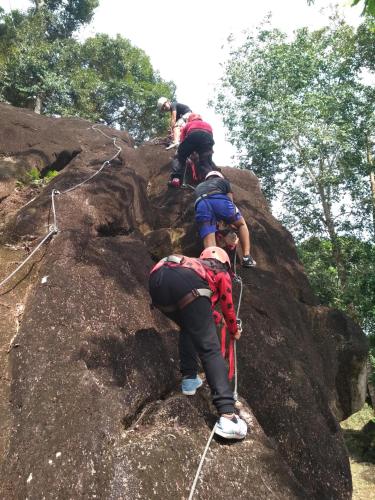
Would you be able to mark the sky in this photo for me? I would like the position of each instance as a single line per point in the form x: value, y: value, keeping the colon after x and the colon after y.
x: 186, y: 41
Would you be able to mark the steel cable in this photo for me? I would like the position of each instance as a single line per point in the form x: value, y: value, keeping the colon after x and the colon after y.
x: 53, y: 229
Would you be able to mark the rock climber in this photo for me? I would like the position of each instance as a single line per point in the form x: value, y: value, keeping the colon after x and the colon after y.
x: 186, y: 289
x: 195, y: 136
x: 227, y: 238
x: 214, y: 203
x: 179, y: 115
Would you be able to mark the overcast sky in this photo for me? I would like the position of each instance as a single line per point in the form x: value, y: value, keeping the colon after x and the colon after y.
x: 184, y: 39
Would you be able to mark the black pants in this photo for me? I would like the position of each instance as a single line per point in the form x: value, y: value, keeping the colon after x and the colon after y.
x: 198, y: 335
x: 202, y: 143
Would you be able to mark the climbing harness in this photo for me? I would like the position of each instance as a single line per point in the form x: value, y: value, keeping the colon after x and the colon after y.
x: 205, y: 195
x: 183, y: 261
x: 186, y: 300
x: 53, y: 228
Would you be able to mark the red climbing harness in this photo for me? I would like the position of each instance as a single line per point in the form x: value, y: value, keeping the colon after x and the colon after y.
x: 221, y: 286
x: 227, y: 353
x: 182, y: 261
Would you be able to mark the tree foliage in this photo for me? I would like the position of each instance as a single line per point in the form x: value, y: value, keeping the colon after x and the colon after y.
x: 115, y: 82
x: 302, y: 117
x: 368, y: 6
x: 358, y: 297
x: 43, y: 66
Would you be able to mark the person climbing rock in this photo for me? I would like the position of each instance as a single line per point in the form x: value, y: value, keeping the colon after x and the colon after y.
x: 195, y: 136
x: 179, y: 115
x: 214, y: 203
x: 186, y: 289
x: 226, y: 237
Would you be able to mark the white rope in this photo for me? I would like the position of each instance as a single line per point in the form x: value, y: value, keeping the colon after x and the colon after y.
x: 107, y: 162
x: 238, y: 279
x: 86, y: 180
x: 52, y: 232
x: 53, y: 229
x: 28, y: 203
x: 201, y: 463
x: 53, y: 194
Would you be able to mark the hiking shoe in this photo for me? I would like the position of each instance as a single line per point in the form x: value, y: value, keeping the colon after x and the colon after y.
x: 231, y: 428
x: 248, y: 261
x: 173, y: 145
x: 189, y: 386
x: 175, y: 182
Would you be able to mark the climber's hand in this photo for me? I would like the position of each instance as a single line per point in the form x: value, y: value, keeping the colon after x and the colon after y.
x: 237, y: 335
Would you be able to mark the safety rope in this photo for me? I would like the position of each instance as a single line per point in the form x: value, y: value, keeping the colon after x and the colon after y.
x: 237, y: 279
x: 184, y: 184
x: 53, y: 229
x: 192, y: 491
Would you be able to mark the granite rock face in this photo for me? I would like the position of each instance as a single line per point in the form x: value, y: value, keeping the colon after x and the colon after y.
x: 89, y: 394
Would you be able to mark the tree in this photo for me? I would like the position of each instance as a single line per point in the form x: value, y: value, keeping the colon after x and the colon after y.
x: 359, y: 296
x: 31, y: 73
x: 114, y: 81
x: 44, y: 67
x: 368, y: 6
x: 300, y: 117
x: 32, y: 43
x: 65, y: 16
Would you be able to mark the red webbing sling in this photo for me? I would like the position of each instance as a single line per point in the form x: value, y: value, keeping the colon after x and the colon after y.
x: 227, y: 353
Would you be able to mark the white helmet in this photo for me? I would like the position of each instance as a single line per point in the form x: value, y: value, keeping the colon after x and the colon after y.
x: 215, y: 173
x: 161, y: 102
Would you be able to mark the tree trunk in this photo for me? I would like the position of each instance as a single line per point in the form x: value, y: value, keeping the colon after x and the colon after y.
x: 38, y: 4
x: 370, y: 385
x: 325, y: 198
x: 336, y: 247
x: 372, y: 182
x: 38, y: 105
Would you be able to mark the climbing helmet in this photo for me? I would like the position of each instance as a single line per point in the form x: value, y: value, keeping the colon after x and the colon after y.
x: 215, y: 253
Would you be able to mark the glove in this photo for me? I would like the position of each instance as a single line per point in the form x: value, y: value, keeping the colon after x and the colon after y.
x: 175, y: 182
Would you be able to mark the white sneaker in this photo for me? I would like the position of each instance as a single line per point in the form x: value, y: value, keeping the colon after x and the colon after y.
x: 231, y: 428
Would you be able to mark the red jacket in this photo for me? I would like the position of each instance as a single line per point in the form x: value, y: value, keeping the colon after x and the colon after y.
x: 194, y: 126
x: 219, y: 282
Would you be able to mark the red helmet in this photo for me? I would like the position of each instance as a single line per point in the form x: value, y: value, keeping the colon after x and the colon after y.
x: 215, y: 253
x: 194, y: 116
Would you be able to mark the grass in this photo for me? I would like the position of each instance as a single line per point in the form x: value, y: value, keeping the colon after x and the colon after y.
x: 359, y: 435
x: 33, y: 178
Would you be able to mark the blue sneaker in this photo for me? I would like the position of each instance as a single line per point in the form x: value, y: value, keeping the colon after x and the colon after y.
x: 189, y: 386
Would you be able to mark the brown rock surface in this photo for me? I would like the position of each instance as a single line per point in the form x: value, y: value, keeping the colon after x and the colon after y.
x: 89, y: 402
